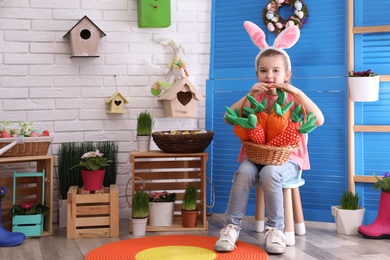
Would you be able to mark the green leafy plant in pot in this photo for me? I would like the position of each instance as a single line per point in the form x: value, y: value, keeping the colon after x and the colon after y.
x: 144, y: 131
x: 189, y: 211
x: 348, y: 215
x: 139, y: 212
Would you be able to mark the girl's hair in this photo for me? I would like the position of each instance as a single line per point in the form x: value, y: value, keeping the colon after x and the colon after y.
x: 272, y: 53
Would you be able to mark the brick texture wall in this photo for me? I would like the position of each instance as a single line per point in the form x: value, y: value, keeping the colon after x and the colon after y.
x: 40, y: 82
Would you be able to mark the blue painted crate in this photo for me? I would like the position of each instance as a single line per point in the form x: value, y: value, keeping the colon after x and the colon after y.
x: 30, y: 225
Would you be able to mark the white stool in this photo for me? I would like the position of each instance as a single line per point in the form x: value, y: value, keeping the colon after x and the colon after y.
x: 293, y: 214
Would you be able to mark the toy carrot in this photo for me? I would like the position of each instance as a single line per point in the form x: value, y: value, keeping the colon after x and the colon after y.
x: 241, y: 132
x: 243, y: 127
x: 294, y: 131
x: 258, y: 109
x: 278, y: 120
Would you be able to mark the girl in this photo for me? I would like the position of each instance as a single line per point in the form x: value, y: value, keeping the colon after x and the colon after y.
x: 273, y: 70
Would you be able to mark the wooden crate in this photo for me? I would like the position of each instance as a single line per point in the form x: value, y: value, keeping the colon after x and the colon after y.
x: 93, y: 214
x: 28, y: 188
x: 158, y: 171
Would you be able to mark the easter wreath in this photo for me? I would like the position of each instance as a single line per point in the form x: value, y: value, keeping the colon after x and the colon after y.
x: 275, y: 23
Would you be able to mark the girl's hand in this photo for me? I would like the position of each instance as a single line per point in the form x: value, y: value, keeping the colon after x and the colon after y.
x: 287, y: 87
x: 260, y: 87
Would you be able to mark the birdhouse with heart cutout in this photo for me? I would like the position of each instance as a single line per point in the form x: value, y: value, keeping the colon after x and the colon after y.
x: 84, y: 38
x: 116, y: 103
x: 182, y: 99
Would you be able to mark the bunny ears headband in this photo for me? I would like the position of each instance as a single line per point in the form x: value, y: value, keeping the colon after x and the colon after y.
x: 286, y: 39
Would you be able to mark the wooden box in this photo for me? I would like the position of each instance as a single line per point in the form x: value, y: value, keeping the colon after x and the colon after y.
x: 93, y: 214
x: 30, y: 225
x: 29, y: 188
x: 158, y: 171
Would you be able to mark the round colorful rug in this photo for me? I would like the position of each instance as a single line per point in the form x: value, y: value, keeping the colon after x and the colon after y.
x: 173, y: 247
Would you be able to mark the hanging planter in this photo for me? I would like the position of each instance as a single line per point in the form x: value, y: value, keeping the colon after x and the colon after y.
x: 363, y: 86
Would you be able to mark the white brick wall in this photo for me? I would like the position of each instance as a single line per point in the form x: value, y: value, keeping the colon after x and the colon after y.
x: 40, y: 82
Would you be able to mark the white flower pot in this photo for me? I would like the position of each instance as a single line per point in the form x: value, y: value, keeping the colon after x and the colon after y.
x: 62, y: 214
x: 143, y: 143
x: 161, y: 213
x: 138, y: 226
x: 347, y: 221
x: 364, y: 89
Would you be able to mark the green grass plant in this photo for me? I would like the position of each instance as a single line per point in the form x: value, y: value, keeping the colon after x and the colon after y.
x: 190, y: 198
x: 349, y: 201
x: 144, y: 123
x: 140, y: 205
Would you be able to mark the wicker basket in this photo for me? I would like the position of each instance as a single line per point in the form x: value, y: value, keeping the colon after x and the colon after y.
x: 183, y: 141
x: 267, y: 154
x: 31, y: 146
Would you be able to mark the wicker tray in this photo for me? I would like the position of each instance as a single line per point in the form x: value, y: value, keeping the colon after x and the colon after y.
x: 192, y: 141
x: 30, y: 146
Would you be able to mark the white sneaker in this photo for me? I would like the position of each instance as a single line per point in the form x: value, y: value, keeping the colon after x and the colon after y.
x: 275, y: 241
x: 227, y: 238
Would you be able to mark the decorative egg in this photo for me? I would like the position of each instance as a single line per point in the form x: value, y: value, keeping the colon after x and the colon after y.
x: 270, y: 27
x: 281, y: 1
x: 289, y: 23
x: 299, y: 14
x: 39, y: 131
x: 269, y: 15
x: 298, y: 5
x: 34, y: 134
x: 279, y: 25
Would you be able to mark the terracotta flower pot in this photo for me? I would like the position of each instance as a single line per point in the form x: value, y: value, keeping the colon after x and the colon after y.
x: 189, y: 218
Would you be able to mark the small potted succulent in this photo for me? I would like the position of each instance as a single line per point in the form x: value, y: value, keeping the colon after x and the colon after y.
x: 139, y: 212
x: 189, y: 210
x: 348, y: 215
x: 144, y: 131
x: 363, y: 86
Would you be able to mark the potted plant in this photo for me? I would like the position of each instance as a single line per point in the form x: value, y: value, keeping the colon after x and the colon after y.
x: 69, y: 154
x: 93, y: 169
x: 28, y: 218
x: 348, y: 215
x: 139, y: 212
x: 7, y: 238
x: 189, y: 210
x: 363, y: 86
x: 144, y: 131
x: 380, y: 228
x: 162, y: 208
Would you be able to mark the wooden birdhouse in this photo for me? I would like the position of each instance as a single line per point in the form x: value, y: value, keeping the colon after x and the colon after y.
x: 84, y: 38
x: 182, y: 99
x: 116, y: 103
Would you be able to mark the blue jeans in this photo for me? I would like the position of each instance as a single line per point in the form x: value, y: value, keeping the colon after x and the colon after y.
x: 271, y: 178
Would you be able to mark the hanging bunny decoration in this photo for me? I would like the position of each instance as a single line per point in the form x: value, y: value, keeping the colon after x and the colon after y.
x: 177, y: 65
x: 285, y: 40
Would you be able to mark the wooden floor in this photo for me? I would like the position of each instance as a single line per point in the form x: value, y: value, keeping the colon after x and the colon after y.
x: 320, y: 242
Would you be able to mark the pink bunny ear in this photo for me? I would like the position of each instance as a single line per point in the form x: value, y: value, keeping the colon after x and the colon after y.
x: 287, y: 38
x: 257, y: 35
